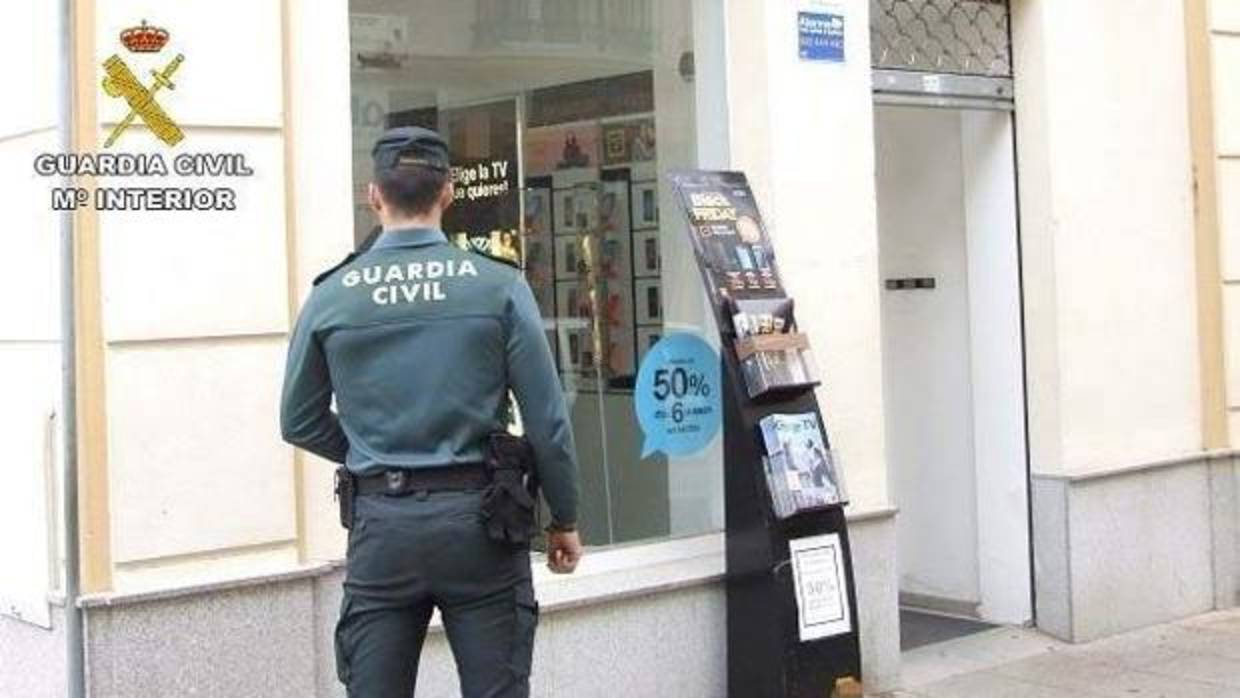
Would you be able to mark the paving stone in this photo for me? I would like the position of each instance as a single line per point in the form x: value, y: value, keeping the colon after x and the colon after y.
x: 1226, y: 621
x: 1140, y: 684
x: 1061, y: 670
x: 1195, y: 658
x: 1211, y: 642
x: 1200, y: 667
x: 985, y: 684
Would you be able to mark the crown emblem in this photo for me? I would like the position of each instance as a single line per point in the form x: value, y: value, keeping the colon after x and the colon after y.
x: 144, y: 39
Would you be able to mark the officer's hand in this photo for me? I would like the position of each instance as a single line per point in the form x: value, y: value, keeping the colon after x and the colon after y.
x: 563, y: 551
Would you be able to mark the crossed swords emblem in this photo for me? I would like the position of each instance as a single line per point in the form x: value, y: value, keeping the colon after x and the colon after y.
x: 121, y: 82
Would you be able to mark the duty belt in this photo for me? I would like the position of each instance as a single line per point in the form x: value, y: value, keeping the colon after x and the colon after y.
x: 402, y: 481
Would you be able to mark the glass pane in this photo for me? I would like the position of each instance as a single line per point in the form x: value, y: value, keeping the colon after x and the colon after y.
x: 562, y: 117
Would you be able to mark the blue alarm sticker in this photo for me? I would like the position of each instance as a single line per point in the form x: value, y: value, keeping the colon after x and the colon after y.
x: 821, y: 36
x: 677, y: 393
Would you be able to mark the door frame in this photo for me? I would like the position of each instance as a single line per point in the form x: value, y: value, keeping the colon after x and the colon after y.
x: 900, y: 88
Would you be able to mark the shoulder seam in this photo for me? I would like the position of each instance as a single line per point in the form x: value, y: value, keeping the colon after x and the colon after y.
x: 328, y: 273
x: 506, y: 309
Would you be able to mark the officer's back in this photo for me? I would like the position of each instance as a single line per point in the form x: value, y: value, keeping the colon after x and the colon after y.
x: 420, y: 342
x: 414, y: 330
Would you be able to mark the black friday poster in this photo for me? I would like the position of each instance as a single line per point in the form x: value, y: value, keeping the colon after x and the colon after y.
x: 730, y: 241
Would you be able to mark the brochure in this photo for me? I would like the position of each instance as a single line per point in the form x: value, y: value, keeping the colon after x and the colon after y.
x: 801, y: 472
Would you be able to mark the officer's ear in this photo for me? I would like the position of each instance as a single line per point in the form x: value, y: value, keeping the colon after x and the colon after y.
x: 374, y: 198
x: 447, y: 196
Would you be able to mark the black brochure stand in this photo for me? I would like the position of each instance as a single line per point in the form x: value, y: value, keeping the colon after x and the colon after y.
x: 769, y: 654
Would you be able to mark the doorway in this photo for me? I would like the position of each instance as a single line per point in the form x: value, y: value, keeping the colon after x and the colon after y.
x: 953, y: 367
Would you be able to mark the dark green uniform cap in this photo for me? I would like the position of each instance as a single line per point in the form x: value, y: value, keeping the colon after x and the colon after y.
x: 410, y: 146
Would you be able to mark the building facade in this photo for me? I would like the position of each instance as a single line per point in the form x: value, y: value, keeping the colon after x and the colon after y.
x: 1044, y: 436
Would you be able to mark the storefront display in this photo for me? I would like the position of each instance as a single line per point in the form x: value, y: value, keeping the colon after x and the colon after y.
x: 558, y: 151
x: 585, y: 226
x: 628, y: 141
x: 537, y: 243
x: 604, y: 240
x: 588, y: 236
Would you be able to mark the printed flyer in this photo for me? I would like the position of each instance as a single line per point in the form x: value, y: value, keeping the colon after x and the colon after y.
x: 820, y: 586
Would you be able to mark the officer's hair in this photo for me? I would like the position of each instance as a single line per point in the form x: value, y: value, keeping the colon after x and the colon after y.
x: 411, y: 191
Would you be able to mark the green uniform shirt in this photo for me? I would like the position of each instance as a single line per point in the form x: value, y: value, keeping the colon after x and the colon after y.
x: 420, y: 342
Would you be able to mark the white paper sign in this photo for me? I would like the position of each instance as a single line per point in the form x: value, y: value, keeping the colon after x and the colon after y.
x: 820, y: 586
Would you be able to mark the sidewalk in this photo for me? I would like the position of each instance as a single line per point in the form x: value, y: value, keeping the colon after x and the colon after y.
x: 1195, y: 658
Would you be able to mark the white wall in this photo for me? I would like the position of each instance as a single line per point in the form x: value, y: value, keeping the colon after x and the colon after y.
x: 1107, y: 232
x: 196, y: 310
x: 952, y: 357
x: 29, y: 315
x: 1225, y: 49
x: 926, y: 350
x: 322, y: 179
x: 998, y: 393
x: 803, y: 133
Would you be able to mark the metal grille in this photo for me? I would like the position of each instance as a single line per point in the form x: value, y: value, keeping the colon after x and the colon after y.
x: 963, y: 37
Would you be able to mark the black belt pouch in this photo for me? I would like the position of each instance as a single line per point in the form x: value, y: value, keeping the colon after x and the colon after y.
x: 345, y: 491
x: 508, y: 503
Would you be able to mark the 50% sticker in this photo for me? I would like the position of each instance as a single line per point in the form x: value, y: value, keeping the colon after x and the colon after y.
x: 679, y: 383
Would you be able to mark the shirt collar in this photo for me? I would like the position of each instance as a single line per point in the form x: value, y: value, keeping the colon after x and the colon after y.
x: 410, y: 237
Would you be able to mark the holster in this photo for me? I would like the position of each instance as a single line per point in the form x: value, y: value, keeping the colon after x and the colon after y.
x: 346, y: 489
x: 509, y: 502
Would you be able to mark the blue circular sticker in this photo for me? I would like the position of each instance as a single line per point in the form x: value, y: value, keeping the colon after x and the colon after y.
x: 678, y: 396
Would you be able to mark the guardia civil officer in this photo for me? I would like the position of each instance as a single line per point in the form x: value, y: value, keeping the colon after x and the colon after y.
x: 420, y: 342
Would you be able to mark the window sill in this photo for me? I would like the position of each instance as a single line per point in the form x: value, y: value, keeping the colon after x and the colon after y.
x: 122, y: 598
x: 613, y: 574
x: 605, y: 575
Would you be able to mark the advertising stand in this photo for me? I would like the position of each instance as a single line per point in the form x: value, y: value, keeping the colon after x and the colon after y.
x: 792, y: 628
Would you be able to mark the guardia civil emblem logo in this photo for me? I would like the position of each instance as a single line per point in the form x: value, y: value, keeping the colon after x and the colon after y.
x: 122, y: 83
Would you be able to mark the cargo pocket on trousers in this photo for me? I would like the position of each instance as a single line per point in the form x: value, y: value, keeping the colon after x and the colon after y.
x: 526, y: 608
x: 343, y: 646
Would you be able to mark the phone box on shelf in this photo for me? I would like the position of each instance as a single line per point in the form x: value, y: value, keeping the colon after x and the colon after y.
x: 773, y: 363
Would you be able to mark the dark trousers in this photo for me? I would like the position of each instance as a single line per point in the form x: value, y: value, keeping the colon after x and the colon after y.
x: 410, y: 554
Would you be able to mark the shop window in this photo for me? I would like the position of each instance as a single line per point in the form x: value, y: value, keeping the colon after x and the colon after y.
x: 564, y: 117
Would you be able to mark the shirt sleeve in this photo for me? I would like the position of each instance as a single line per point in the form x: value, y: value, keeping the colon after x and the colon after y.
x: 306, y: 417
x: 534, y: 382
